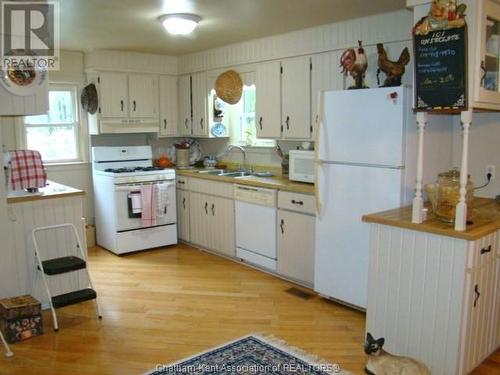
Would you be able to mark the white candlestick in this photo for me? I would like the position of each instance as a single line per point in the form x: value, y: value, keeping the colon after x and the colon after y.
x: 461, y: 210
x: 418, y: 201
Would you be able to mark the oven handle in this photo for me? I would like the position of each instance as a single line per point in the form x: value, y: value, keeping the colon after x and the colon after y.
x: 135, y: 186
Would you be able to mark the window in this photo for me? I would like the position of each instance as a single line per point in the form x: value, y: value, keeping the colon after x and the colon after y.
x: 240, y: 119
x: 56, y: 134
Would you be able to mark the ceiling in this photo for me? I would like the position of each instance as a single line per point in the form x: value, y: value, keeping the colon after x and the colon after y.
x: 132, y: 25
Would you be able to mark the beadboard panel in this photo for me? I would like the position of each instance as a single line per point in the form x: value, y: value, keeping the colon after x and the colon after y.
x: 387, y: 27
x: 23, y: 218
x: 417, y: 304
x: 120, y: 61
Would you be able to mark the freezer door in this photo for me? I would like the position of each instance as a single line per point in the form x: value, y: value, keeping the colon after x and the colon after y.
x: 342, y: 239
x: 363, y: 126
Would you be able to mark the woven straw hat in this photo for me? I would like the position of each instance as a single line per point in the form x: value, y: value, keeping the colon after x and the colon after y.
x: 229, y: 87
x: 89, y: 99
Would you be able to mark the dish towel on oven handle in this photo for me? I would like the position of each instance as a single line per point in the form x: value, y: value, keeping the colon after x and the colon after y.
x: 148, y: 205
x: 162, y: 200
x: 27, y: 170
x: 135, y: 204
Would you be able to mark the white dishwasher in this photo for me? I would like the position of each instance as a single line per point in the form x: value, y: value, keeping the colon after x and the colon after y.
x: 256, y: 225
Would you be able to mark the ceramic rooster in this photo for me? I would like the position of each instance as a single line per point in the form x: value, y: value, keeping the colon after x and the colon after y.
x: 354, y: 62
x: 393, y: 70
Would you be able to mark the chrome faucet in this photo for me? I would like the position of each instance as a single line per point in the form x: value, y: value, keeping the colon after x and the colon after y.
x: 232, y: 147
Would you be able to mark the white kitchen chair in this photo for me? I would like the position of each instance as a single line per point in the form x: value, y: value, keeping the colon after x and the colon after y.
x: 8, y: 352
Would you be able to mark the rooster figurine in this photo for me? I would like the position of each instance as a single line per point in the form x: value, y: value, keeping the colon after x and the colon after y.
x: 354, y: 62
x: 393, y: 70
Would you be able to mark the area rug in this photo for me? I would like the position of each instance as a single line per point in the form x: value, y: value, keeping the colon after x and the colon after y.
x: 253, y: 354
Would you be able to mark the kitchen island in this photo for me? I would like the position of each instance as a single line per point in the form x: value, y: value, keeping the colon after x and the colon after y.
x: 53, y: 204
x: 434, y: 293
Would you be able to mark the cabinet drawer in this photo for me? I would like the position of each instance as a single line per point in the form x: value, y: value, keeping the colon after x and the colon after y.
x: 182, y: 182
x: 482, y: 251
x: 221, y: 189
x: 303, y: 203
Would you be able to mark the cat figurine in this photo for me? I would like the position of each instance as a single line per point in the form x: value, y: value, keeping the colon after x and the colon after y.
x: 381, y: 362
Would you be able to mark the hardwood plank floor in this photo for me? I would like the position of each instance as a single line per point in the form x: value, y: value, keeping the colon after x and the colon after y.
x: 163, y: 305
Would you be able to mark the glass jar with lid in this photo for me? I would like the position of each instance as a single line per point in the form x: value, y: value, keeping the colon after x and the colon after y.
x: 447, y: 195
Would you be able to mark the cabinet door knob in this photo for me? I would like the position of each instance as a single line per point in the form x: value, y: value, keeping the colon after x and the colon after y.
x: 486, y: 250
x: 201, y: 123
x: 476, y: 298
x: 121, y: 105
x: 260, y: 123
x: 184, y: 203
x: 206, y: 208
x: 213, y: 209
x: 300, y: 203
x: 164, y: 123
x: 135, y: 105
x: 186, y: 123
x: 287, y: 122
x: 282, y: 226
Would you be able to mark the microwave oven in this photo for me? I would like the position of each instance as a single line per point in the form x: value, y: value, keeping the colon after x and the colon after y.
x: 301, y: 167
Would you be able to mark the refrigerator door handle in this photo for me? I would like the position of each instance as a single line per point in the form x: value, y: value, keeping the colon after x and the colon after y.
x: 317, y: 191
x: 317, y: 162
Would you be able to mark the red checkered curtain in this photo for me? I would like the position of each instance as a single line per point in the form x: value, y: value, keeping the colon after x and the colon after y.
x: 27, y: 170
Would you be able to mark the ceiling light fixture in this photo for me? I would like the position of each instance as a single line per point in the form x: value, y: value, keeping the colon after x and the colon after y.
x: 180, y: 23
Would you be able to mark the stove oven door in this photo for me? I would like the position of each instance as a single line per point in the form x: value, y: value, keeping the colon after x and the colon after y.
x: 129, y: 205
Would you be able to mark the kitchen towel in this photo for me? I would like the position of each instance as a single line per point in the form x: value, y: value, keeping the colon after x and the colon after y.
x: 135, y: 199
x: 162, y: 200
x: 148, y: 205
x: 27, y: 170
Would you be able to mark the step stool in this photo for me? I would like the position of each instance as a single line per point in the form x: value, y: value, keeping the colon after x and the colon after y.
x: 57, y: 266
x: 8, y: 353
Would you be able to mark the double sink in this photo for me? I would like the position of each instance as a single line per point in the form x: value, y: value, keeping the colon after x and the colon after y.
x: 226, y: 173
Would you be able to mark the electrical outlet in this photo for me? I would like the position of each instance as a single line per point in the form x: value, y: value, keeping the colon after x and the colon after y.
x: 491, y: 168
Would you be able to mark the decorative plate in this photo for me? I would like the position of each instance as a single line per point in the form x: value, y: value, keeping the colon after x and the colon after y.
x: 22, y: 82
x: 219, y: 130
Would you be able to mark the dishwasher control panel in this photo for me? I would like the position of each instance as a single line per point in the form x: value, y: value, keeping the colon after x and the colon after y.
x: 255, y: 195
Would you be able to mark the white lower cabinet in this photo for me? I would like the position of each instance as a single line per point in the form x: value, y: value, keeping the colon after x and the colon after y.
x: 296, y: 246
x: 183, y: 227
x: 296, y: 225
x: 205, y: 219
x: 434, y: 298
x: 212, y: 223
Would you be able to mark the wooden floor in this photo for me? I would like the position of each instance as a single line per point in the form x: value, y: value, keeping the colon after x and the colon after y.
x: 163, y: 305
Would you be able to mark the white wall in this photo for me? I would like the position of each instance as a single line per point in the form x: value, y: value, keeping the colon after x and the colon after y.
x: 9, y: 285
x: 484, y: 149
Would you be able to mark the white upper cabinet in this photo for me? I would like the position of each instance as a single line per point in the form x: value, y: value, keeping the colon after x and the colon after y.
x: 185, y: 105
x: 168, y: 106
x: 296, y: 98
x: 113, y: 96
x: 199, y: 95
x: 143, y: 95
x: 268, y: 100
x: 325, y: 76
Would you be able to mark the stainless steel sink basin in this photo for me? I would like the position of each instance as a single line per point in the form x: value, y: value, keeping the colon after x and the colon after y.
x: 235, y: 174
x: 213, y: 171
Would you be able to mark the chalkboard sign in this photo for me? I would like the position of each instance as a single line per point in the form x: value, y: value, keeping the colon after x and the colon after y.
x: 441, y: 71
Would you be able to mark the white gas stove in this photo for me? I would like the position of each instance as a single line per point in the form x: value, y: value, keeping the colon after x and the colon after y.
x: 127, y: 187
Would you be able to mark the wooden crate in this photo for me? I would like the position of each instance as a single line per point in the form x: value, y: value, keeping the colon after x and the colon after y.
x: 20, y: 318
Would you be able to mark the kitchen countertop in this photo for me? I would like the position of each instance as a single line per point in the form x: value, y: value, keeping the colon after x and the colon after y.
x: 276, y: 182
x: 486, y: 221
x: 51, y: 191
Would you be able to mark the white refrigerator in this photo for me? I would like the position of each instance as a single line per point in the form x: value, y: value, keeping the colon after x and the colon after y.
x: 363, y: 152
